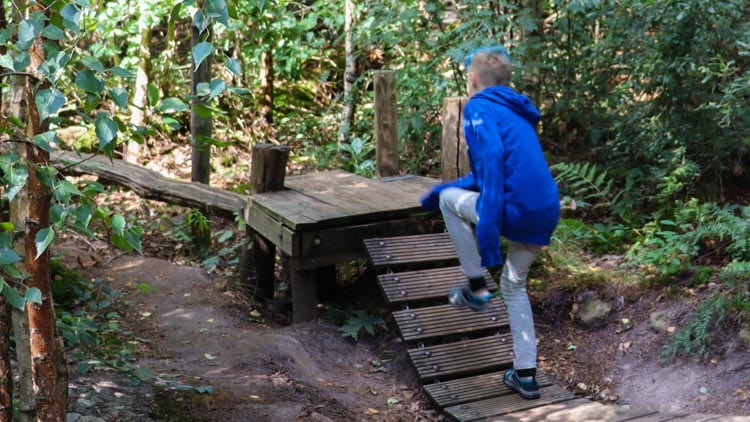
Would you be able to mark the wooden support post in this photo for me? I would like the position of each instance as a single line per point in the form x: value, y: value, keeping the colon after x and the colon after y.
x: 455, y: 156
x: 304, y: 295
x: 386, y: 124
x: 267, y: 173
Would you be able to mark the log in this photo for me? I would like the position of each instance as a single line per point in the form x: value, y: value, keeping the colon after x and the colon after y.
x: 151, y: 185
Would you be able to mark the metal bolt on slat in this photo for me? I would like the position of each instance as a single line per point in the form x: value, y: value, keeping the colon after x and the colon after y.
x: 453, y: 397
x: 436, y: 367
x: 444, y: 387
x: 381, y: 243
x: 419, y: 330
x: 403, y: 293
x: 413, y: 315
x: 397, y: 279
x: 427, y: 353
x: 464, y: 407
x: 494, y: 318
x: 387, y: 257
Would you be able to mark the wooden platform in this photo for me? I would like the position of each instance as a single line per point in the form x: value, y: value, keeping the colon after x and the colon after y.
x: 460, y: 355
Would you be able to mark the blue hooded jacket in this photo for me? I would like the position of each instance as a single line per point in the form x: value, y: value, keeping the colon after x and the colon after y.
x: 518, y: 194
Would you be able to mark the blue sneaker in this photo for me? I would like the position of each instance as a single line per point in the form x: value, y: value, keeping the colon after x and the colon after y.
x: 462, y: 296
x: 527, y: 389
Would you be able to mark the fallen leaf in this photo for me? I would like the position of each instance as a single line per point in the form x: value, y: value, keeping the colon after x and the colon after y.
x: 391, y: 401
x: 372, y: 411
x: 210, y: 320
x: 209, y: 356
x: 703, y: 390
x: 254, y: 397
x: 254, y: 314
x: 671, y: 329
x: 146, y: 314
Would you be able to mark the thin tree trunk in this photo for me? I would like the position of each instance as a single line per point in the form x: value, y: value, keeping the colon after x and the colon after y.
x: 266, y: 84
x: 36, y: 343
x: 50, y: 398
x: 25, y: 392
x: 350, y: 74
x: 200, y: 127
x: 6, y: 376
x: 137, y: 110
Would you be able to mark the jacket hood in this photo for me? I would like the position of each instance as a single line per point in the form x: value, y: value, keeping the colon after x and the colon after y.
x: 518, y: 103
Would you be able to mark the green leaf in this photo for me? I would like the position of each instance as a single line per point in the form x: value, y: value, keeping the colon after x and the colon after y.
x: 233, y: 65
x: 120, y: 97
x: 28, y: 29
x: 48, y: 141
x: 152, y: 93
x: 43, y: 239
x: 89, y: 82
x: 21, y: 61
x: 217, y: 9
x: 8, y: 256
x: 52, y: 32
x: 12, y: 297
x: 6, y: 61
x: 123, y: 73
x: 48, y: 102
x: 200, y: 21
x: 34, y: 295
x: 118, y: 224
x: 92, y: 63
x: 202, y: 89
x: 71, y: 15
x: 172, y: 105
x: 106, y: 130
x: 201, y: 51
x: 217, y: 86
x: 204, y: 389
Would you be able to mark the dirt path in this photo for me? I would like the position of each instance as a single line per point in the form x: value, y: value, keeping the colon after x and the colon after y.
x: 259, y: 372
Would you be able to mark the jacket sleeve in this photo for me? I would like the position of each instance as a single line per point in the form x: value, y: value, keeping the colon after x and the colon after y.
x: 431, y: 200
x: 486, y: 153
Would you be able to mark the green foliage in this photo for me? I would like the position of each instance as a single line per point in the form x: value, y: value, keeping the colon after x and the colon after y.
x: 694, y: 337
x: 358, y: 321
x: 598, y: 239
x: 694, y: 228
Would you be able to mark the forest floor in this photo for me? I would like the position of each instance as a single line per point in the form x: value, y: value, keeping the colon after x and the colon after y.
x: 213, y: 355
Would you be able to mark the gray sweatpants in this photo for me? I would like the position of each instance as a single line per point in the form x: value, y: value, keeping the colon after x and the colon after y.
x: 459, y: 212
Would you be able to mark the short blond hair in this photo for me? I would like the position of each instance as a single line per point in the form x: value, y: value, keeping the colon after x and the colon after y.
x: 491, y: 69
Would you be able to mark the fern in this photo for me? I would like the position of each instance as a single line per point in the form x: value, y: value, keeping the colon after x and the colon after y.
x: 358, y: 321
x: 693, y: 338
x: 585, y: 181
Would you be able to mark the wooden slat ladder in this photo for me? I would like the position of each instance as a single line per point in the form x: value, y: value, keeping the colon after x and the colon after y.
x: 460, y: 355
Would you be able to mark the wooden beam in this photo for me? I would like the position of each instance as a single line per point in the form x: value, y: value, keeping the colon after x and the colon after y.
x: 151, y: 185
x: 386, y: 124
x: 454, y: 154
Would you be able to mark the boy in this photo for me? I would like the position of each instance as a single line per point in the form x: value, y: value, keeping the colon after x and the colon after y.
x: 509, y: 192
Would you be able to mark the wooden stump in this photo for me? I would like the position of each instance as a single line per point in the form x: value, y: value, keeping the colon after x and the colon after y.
x: 267, y: 174
x: 386, y: 124
x: 455, y: 157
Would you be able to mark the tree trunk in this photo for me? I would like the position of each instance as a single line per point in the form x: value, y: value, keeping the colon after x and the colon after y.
x: 266, y: 84
x: 6, y: 377
x: 200, y: 127
x: 350, y: 74
x: 137, y: 110
x: 30, y: 214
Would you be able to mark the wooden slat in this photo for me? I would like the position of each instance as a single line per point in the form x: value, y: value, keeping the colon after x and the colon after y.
x: 657, y: 417
x: 479, y: 387
x: 446, y: 320
x: 574, y: 411
x: 419, y: 285
x: 468, y: 357
x: 419, y: 249
x: 503, y: 405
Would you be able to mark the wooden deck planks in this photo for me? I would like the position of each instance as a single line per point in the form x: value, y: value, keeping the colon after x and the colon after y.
x: 447, y: 320
x: 411, y: 286
x: 418, y: 249
x: 478, y: 387
x: 469, y: 357
x: 491, y: 409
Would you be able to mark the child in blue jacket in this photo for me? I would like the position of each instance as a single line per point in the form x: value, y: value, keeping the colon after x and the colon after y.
x: 509, y: 192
